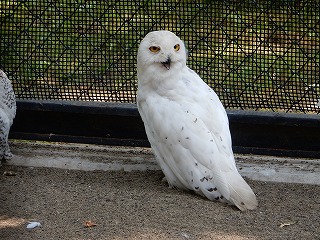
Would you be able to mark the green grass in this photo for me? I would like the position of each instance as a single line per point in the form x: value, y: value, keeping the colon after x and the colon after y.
x: 253, y: 53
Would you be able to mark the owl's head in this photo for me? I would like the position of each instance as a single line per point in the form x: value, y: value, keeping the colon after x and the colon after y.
x: 162, y: 52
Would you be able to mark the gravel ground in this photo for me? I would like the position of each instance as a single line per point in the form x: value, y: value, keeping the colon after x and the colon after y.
x: 138, y: 205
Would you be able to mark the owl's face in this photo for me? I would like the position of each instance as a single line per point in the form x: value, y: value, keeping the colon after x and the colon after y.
x: 161, y: 52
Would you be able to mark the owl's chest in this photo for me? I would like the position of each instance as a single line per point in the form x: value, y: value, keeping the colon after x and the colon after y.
x: 165, y: 106
x: 172, y: 107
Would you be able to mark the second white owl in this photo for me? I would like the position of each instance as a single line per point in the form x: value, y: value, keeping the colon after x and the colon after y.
x: 186, y: 124
x: 7, y: 114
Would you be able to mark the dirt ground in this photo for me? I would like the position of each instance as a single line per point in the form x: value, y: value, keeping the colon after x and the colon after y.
x: 138, y: 205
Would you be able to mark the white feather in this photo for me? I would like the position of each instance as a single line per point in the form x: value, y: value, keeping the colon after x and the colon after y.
x: 32, y: 225
x: 186, y: 124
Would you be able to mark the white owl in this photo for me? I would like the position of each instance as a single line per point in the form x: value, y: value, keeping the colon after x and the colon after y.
x: 7, y: 114
x: 186, y: 124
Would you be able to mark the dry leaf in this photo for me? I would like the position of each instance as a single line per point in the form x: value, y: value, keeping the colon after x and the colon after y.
x: 286, y: 224
x: 89, y: 224
x: 9, y: 173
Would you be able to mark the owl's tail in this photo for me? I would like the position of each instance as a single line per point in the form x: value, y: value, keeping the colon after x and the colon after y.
x: 240, y: 193
x: 228, y: 184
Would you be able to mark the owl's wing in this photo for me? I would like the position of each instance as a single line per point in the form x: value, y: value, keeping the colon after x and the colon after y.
x: 214, y: 149
x: 206, y: 104
x: 215, y: 156
x: 7, y: 97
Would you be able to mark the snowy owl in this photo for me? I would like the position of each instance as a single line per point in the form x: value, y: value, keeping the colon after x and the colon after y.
x: 7, y: 114
x: 186, y: 124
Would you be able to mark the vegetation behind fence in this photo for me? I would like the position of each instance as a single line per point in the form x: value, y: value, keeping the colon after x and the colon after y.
x: 258, y: 55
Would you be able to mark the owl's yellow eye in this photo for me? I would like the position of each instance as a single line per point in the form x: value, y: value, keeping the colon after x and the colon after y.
x: 177, y: 47
x: 154, y: 49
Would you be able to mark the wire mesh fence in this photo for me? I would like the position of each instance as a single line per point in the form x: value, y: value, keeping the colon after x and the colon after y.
x: 258, y: 55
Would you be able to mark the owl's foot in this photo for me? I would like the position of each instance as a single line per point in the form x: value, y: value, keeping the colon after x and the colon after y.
x: 8, y: 155
x: 164, y: 180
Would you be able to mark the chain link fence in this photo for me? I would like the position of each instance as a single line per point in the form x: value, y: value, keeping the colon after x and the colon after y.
x: 257, y: 55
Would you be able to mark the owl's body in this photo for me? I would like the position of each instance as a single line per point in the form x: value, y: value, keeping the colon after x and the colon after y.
x: 186, y: 124
x: 7, y: 114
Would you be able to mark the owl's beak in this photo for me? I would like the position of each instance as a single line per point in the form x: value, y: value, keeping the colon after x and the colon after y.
x: 167, y: 63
